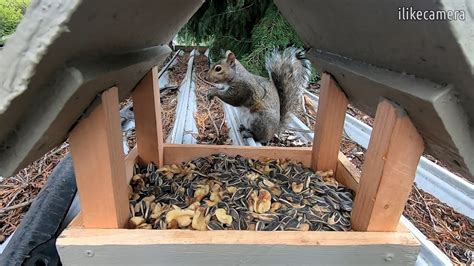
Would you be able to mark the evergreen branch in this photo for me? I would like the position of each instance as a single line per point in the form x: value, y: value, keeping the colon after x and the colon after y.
x: 235, y: 39
x: 232, y: 11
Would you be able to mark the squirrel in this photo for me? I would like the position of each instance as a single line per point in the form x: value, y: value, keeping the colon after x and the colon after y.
x: 264, y: 103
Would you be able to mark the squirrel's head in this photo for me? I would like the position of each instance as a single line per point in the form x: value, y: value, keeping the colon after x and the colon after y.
x: 223, y: 70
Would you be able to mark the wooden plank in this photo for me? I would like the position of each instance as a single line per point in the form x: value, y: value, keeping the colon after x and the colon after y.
x: 77, y: 236
x: 177, y: 153
x: 329, y: 124
x: 236, y: 254
x: 148, y: 127
x: 76, y: 222
x: 394, y: 150
x: 97, y: 152
x: 185, y: 247
x: 130, y: 161
x: 347, y: 173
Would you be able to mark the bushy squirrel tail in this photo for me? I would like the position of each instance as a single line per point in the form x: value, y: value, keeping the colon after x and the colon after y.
x: 290, y: 72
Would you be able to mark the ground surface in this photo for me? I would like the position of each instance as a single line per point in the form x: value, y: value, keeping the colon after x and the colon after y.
x: 19, y: 191
x: 209, y: 116
x: 169, y: 97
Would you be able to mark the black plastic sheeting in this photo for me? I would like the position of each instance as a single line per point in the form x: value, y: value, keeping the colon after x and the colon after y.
x: 34, y: 241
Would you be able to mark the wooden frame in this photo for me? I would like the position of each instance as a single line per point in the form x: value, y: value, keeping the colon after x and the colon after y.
x: 97, y: 152
x: 395, y: 147
x: 387, y: 168
x: 179, y: 247
x: 147, y: 109
x: 329, y: 125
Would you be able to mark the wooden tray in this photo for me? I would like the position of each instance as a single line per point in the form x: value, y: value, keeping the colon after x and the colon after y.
x: 103, y: 172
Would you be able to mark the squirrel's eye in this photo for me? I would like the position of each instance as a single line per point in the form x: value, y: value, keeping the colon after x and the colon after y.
x: 218, y: 68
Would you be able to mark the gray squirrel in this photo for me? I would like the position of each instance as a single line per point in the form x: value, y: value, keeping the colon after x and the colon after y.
x: 264, y: 103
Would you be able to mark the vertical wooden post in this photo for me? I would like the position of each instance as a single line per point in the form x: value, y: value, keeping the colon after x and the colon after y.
x: 97, y: 151
x: 393, y: 154
x: 329, y: 125
x: 148, y: 127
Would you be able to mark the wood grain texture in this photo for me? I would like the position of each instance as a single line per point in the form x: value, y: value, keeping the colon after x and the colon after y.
x: 184, y: 247
x: 74, y: 236
x: 148, y: 127
x: 395, y: 148
x: 76, y: 222
x: 130, y: 161
x: 177, y: 153
x: 347, y: 173
x: 329, y: 124
x: 97, y: 152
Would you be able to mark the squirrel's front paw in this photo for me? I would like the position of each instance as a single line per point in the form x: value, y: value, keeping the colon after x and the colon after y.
x: 210, y: 97
x: 210, y: 94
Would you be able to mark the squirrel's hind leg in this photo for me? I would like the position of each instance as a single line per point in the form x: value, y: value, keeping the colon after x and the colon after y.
x: 246, y: 133
x: 263, y: 128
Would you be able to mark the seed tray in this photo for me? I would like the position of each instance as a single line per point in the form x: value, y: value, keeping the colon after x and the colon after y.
x: 221, y: 192
x: 98, y: 234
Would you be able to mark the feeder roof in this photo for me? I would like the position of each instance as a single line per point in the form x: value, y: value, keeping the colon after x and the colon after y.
x: 66, y: 52
x: 425, y: 66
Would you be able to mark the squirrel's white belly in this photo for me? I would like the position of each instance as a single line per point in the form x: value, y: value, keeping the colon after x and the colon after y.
x: 244, y: 115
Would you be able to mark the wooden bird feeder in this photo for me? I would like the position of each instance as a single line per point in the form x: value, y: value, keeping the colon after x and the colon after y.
x: 98, y: 234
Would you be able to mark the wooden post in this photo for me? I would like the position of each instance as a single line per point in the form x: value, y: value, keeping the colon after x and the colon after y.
x: 148, y: 128
x: 394, y: 151
x: 329, y: 125
x: 97, y: 151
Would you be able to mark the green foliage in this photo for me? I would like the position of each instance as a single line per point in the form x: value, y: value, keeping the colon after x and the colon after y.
x: 11, y: 12
x: 250, y: 29
x: 225, y: 24
x: 315, y: 76
x: 273, y: 31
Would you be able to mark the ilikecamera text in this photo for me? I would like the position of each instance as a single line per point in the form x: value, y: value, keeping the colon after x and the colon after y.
x: 411, y: 14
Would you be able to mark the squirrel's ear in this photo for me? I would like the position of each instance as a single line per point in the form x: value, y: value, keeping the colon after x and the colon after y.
x: 230, y: 58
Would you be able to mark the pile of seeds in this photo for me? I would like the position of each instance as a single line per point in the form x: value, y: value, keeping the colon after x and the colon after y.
x: 221, y: 192
x: 287, y: 139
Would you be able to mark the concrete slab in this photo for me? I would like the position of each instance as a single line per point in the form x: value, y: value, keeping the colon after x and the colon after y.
x: 425, y: 66
x: 64, y: 53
